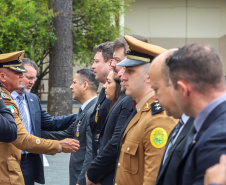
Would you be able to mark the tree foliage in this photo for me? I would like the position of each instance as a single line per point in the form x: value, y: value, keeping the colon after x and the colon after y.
x: 95, y: 22
x: 27, y: 25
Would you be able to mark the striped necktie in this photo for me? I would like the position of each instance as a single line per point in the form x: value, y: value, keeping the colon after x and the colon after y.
x: 22, y: 111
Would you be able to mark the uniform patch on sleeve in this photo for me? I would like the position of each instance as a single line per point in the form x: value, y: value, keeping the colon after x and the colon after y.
x: 11, y: 108
x: 158, y: 137
x: 156, y: 108
x: 5, y: 96
x: 38, y: 141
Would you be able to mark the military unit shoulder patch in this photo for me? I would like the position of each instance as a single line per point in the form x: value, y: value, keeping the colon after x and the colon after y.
x: 11, y: 108
x: 158, y: 137
x: 5, y: 96
x: 156, y: 108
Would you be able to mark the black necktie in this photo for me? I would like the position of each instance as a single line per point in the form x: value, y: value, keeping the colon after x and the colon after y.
x: 172, y: 138
x: 79, y: 112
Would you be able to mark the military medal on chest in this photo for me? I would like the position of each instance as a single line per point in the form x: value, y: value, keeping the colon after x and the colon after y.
x: 96, y: 116
x: 77, y: 129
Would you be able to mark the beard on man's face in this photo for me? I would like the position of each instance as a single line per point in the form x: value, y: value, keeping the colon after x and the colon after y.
x: 24, y: 90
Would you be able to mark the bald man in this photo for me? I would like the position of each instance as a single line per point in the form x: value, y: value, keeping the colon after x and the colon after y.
x: 159, y: 78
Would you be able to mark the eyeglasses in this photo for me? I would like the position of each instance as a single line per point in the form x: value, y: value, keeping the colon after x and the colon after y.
x: 30, y: 77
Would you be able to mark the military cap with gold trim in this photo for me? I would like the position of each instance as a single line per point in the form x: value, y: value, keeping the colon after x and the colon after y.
x: 139, y: 53
x: 12, y: 61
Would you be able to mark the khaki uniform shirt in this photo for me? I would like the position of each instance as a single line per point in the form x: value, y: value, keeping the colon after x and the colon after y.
x: 10, y: 153
x: 143, y: 144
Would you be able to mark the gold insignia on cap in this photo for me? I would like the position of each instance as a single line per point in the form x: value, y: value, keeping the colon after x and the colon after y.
x: 127, y: 47
x: 158, y: 137
x: 138, y: 58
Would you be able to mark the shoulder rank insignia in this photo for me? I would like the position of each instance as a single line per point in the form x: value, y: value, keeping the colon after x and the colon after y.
x: 156, y: 108
x: 158, y: 137
x: 147, y: 106
x: 5, y: 96
x: 11, y: 108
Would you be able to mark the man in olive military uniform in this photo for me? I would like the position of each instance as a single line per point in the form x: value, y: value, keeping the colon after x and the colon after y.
x: 11, y: 73
x: 146, y: 134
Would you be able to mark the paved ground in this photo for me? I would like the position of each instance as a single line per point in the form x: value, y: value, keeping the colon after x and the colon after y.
x: 57, y: 173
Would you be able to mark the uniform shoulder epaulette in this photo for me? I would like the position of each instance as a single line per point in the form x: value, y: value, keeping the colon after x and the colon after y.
x: 5, y: 96
x: 156, y: 108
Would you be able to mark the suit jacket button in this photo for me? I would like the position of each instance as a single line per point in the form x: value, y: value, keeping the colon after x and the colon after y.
x: 118, y: 165
x: 128, y: 149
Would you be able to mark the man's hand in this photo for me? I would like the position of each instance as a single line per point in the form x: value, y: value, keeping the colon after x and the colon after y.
x: 69, y: 145
x: 216, y: 174
x: 88, y: 182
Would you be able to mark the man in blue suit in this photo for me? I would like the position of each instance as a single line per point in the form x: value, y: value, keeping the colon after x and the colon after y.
x: 37, y: 119
x: 196, y: 72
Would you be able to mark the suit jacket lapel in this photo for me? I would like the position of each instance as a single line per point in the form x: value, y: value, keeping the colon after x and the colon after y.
x: 102, y: 96
x: 183, y: 134
x: 112, y: 109
x: 220, y: 109
x: 82, y: 115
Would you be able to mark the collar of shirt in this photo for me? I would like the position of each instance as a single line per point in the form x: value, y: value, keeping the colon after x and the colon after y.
x: 184, y: 118
x: 201, y: 117
x: 144, y: 100
x: 14, y: 95
x: 86, y: 103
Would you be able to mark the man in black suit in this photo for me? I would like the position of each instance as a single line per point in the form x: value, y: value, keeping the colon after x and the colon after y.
x: 84, y: 88
x: 103, y: 166
x: 159, y: 77
x: 38, y: 119
x: 101, y: 67
x: 196, y: 72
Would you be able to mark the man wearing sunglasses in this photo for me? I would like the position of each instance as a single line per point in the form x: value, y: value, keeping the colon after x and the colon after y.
x: 37, y: 119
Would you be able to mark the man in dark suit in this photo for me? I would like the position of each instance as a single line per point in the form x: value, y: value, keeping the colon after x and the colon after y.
x: 37, y: 119
x: 196, y: 72
x: 8, y: 128
x: 84, y: 90
x: 101, y: 67
x: 159, y: 77
x: 102, y: 167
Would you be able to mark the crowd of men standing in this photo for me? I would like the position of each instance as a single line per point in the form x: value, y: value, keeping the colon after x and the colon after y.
x: 160, y: 118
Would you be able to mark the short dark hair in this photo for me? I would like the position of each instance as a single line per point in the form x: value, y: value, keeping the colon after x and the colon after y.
x: 88, y: 75
x: 29, y: 62
x: 120, y: 42
x: 118, y: 91
x: 198, y: 64
x: 107, y: 50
